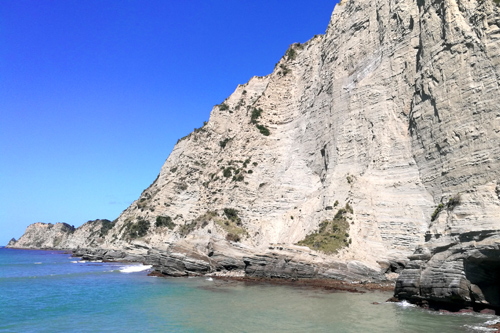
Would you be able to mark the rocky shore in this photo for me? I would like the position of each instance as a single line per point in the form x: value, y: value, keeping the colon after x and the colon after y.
x: 271, y: 265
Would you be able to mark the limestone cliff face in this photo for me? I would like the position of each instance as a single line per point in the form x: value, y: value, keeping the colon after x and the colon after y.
x: 393, y: 110
x: 62, y: 235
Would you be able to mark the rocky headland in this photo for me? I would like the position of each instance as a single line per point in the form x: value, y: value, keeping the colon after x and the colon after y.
x: 370, y: 153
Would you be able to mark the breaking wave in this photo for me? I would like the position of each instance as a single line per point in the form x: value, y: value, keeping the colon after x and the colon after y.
x: 135, y: 268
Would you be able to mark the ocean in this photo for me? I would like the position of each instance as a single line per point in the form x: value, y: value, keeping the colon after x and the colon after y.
x: 49, y: 291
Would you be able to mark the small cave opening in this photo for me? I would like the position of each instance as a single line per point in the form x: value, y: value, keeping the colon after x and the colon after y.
x: 484, y: 275
x: 325, y: 157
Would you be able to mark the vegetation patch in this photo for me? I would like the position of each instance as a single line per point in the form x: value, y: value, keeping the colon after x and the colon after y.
x: 234, y: 231
x: 453, y: 201
x: 232, y: 214
x: 233, y: 237
x: 187, y: 228
x: 223, y: 107
x: 256, y: 113
x: 238, y: 178
x: 284, y: 69
x: 224, y: 142
x: 332, y: 235
x: 290, y: 54
x: 246, y: 162
x: 450, y: 205
x: 230, y: 223
x: 202, y: 128
x: 184, y: 137
x: 138, y: 229
x: 227, y: 172
x: 164, y: 221
x: 438, y: 210
x: 106, y: 226
x: 263, y: 130
x: 200, y: 222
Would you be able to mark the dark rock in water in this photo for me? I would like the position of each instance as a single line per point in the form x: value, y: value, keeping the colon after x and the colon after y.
x: 393, y: 300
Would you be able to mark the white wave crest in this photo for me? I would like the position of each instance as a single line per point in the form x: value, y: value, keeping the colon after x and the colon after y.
x: 135, y: 268
x: 74, y: 262
x: 406, y: 304
x: 37, y: 263
x: 481, y: 328
x: 209, y: 279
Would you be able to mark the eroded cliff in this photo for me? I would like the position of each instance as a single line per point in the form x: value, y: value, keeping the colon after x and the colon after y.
x: 363, y: 131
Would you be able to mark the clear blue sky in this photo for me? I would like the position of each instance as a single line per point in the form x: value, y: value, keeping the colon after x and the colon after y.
x: 95, y: 94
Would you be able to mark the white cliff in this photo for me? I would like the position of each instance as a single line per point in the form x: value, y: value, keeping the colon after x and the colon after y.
x: 394, y: 110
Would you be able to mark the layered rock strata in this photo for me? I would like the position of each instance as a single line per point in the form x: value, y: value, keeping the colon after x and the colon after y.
x: 393, y: 112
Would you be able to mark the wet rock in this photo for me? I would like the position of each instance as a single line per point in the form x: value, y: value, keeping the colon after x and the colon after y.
x: 462, y: 274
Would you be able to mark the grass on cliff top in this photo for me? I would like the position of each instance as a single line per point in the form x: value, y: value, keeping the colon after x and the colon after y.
x: 332, y: 235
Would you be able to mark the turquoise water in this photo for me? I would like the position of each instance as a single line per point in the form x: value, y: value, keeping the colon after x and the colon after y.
x: 48, y: 291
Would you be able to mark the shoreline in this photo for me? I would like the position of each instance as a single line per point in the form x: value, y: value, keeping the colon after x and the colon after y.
x: 323, y: 284
x: 330, y: 285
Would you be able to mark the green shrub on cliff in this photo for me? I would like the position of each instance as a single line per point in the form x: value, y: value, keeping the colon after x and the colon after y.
x: 227, y: 172
x: 187, y: 228
x: 255, y: 115
x: 232, y: 214
x: 233, y: 237
x: 263, y: 130
x: 138, y: 229
x: 164, y: 221
x: 290, y: 54
x: 454, y: 200
x: 331, y: 235
x: 224, y: 142
x: 198, y: 223
x: 438, y: 210
x: 223, y: 107
x: 106, y: 226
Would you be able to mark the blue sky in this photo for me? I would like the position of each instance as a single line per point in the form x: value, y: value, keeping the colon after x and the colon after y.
x: 95, y: 94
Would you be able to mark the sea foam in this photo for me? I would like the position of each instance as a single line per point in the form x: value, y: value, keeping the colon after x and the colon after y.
x: 406, y: 304
x: 135, y: 268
